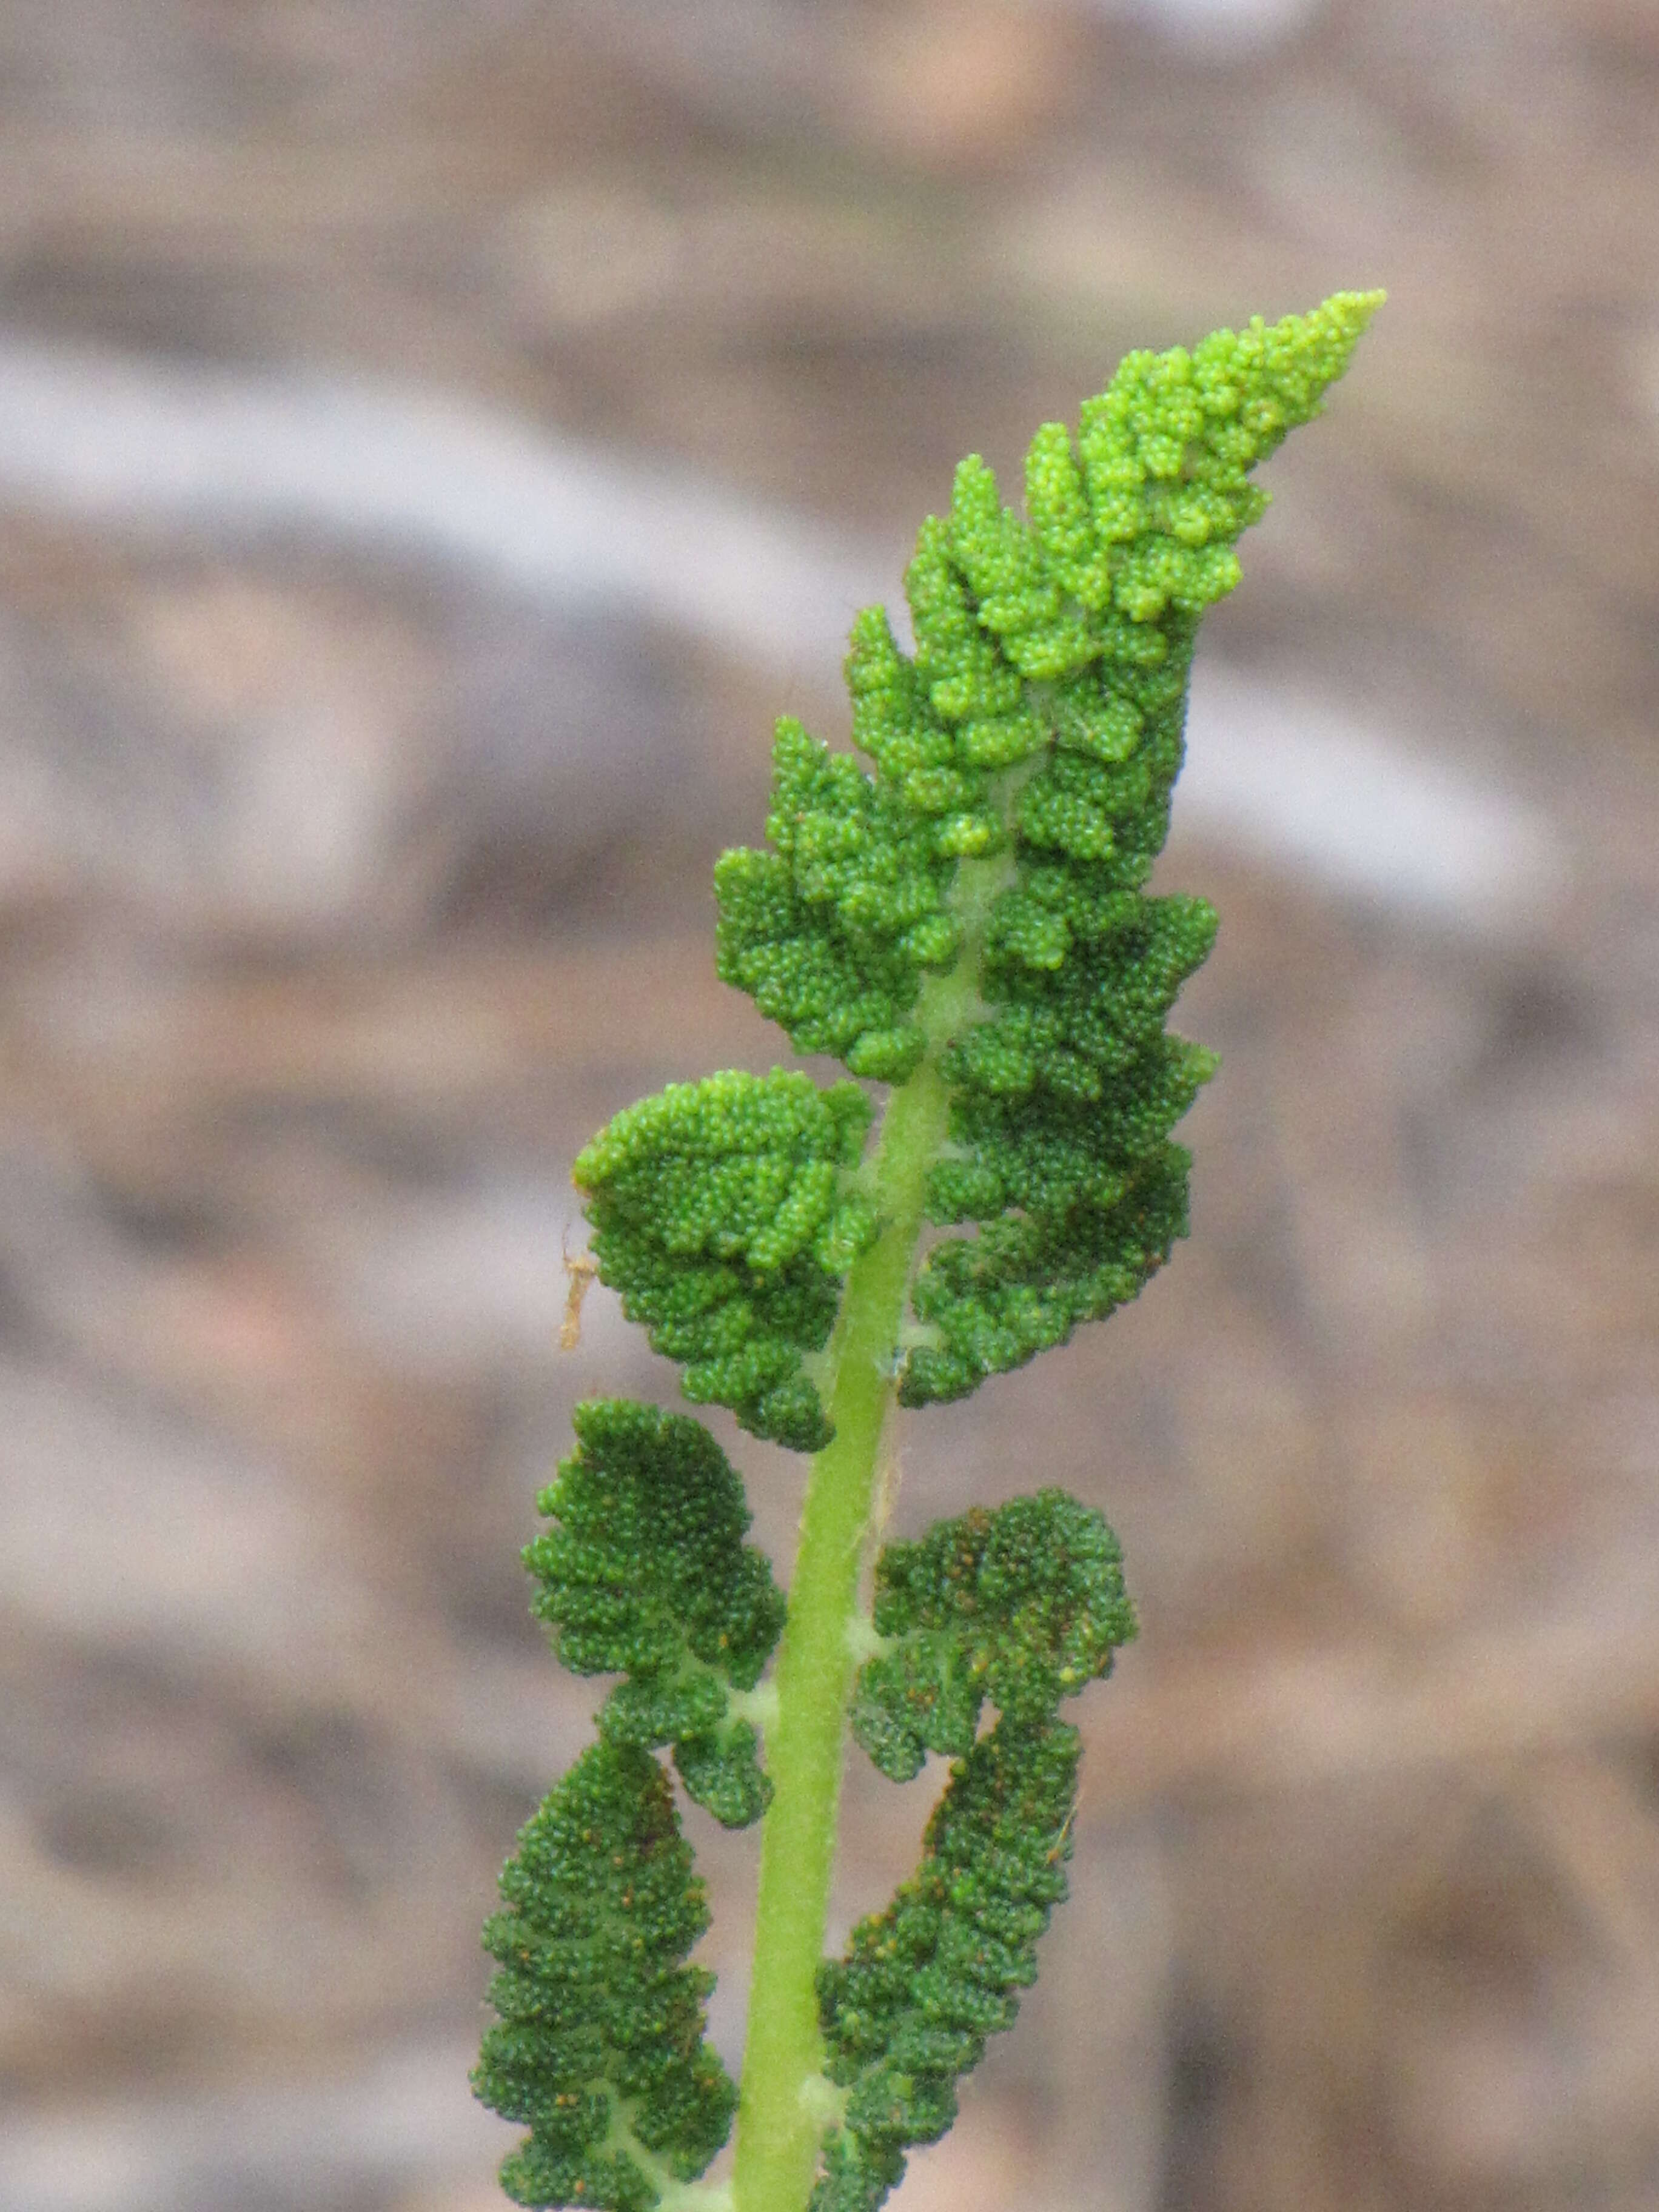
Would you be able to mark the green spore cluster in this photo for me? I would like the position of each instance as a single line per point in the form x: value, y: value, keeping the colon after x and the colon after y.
x: 600, y: 2049
x: 926, y: 1981
x: 1062, y: 1113
x: 726, y: 1213
x: 828, y: 931
x: 1023, y: 1605
x: 1035, y: 728
x: 645, y: 1573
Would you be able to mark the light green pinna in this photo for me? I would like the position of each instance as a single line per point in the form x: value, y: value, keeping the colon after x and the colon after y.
x: 961, y: 917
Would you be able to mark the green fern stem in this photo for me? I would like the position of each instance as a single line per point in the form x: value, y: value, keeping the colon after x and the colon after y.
x: 778, y: 2133
x: 779, y: 2128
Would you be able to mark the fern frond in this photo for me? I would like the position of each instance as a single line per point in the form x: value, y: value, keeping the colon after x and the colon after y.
x: 1023, y: 1605
x: 726, y: 1214
x: 600, y: 2049
x: 962, y: 914
x: 645, y: 1573
x: 829, y: 932
x: 926, y: 1981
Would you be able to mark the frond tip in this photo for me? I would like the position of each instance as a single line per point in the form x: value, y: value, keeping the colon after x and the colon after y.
x: 600, y: 2049
x: 1021, y: 764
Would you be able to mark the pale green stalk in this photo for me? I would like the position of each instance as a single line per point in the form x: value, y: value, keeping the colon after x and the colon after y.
x: 779, y: 2121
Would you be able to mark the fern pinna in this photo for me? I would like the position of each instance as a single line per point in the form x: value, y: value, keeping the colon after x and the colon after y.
x: 961, y: 917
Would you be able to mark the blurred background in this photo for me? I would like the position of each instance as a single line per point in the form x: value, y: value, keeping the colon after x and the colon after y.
x: 434, y: 442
